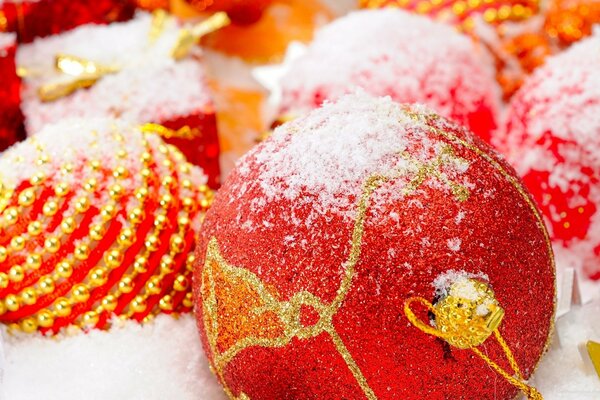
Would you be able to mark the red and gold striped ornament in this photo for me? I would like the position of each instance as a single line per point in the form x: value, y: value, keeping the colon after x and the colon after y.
x: 98, y: 219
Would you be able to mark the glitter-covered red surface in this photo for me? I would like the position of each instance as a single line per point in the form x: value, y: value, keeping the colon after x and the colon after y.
x: 11, y: 118
x: 240, y: 11
x: 31, y: 19
x: 552, y: 139
x: 97, y: 221
x: 323, y: 231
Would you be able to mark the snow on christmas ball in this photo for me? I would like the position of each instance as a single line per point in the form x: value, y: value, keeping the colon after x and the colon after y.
x: 391, y: 52
x: 323, y: 232
x: 97, y: 219
x: 553, y: 139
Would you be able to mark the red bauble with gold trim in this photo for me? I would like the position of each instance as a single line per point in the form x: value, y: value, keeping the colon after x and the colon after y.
x: 323, y: 231
x: 97, y: 220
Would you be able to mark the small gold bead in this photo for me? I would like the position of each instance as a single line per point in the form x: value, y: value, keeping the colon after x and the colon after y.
x: 50, y: 208
x: 166, y: 200
x: 177, y: 244
x: 3, y: 254
x: 98, y: 276
x: 116, y: 191
x: 167, y: 264
x: 167, y: 163
x: 107, y: 212
x: 2, y: 308
x: 126, y: 284
x: 121, y: 154
x: 166, y: 303
x: 82, y: 204
x: 185, y: 168
x: 95, y: 165
x: 188, y: 300
x: 90, y: 185
x: 181, y: 283
x: 136, y: 215
x: 168, y: 182
x: 138, y: 304
x: 34, y: 228
x: 113, y: 258
x: 12, y: 302
x: 204, y: 204
x: 141, y: 193
x: 160, y: 221
x: 62, y: 307
x: 45, y: 318
x: 68, y: 225
x: 163, y: 149
x: 62, y: 189
x: 82, y: 252
x: 44, y: 159
x: 183, y: 222
x: 146, y: 157
x: 67, y: 168
x: 97, y: 232
x: 3, y: 280
x: 28, y: 325
x: 17, y: 243
x: 16, y: 273
x: 126, y: 237
x: 189, y: 204
x: 146, y: 173
x: 203, y: 188
x: 80, y: 293
x: 29, y: 296
x: 153, y: 285
x: 140, y: 265
x: 120, y: 172
x: 52, y: 244
x: 147, y: 318
x: 89, y: 319
x: 109, y: 303
x: 11, y: 215
x: 37, y: 178
x: 33, y: 261
x: 152, y: 242
x: 186, y: 184
x: 46, y: 285
x: 64, y: 269
x: 27, y: 197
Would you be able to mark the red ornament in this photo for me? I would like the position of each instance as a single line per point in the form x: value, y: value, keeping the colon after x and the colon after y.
x: 137, y: 80
x: 553, y: 139
x: 31, y: 19
x: 11, y: 119
x: 391, y: 52
x: 323, y: 232
x: 98, y: 219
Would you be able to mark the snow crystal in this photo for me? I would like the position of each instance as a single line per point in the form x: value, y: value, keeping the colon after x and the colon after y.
x: 151, y: 85
x: 454, y: 244
x: 468, y: 291
x: 6, y: 40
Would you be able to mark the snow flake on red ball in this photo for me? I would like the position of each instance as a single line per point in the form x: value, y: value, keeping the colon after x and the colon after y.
x: 391, y: 52
x: 323, y: 231
x: 553, y: 139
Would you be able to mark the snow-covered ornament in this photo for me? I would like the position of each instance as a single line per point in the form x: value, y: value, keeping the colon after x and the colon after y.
x: 323, y: 232
x: 392, y: 52
x: 552, y: 137
x: 139, y: 71
x: 97, y: 219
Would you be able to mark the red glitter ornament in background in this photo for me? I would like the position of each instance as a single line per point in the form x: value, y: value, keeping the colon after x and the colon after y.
x: 31, y: 19
x: 392, y: 52
x: 240, y: 11
x: 11, y: 118
x: 323, y: 231
x: 552, y: 137
x: 97, y: 219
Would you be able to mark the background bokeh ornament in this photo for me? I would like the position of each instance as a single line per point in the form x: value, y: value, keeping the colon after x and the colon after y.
x: 240, y: 11
x: 391, y: 52
x: 11, y: 118
x: 129, y: 71
x: 322, y: 233
x: 552, y: 137
x: 98, y: 219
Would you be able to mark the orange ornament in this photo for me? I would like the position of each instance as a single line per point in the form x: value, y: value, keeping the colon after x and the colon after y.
x: 98, y: 219
x: 568, y: 21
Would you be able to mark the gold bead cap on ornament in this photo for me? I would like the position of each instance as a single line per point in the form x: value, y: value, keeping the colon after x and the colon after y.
x: 465, y: 316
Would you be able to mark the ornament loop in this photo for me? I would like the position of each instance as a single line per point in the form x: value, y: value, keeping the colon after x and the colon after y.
x: 465, y: 318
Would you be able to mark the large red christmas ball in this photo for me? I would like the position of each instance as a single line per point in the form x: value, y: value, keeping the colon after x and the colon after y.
x: 391, y: 52
x: 240, y: 11
x: 552, y: 137
x: 97, y: 220
x: 323, y: 231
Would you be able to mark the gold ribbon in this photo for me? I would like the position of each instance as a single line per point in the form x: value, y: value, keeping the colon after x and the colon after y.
x: 459, y: 322
x: 188, y: 37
